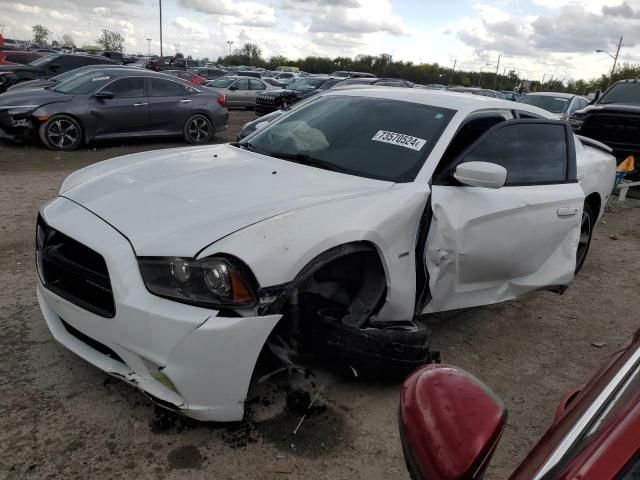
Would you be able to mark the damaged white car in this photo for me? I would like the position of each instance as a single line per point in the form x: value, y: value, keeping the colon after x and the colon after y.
x: 330, y: 230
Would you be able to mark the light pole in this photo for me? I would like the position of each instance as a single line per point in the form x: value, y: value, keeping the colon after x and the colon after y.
x: 148, y: 47
x: 452, y: 70
x: 161, y: 55
x: 229, y: 42
x: 495, y: 80
x: 615, y: 58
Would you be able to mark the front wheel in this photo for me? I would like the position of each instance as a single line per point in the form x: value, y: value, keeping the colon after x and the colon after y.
x: 198, y: 129
x: 61, y: 132
x: 586, y: 232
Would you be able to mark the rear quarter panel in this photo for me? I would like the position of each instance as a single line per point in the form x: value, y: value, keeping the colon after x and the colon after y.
x: 596, y: 172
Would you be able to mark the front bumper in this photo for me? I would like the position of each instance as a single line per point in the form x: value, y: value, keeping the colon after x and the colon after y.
x: 185, y: 358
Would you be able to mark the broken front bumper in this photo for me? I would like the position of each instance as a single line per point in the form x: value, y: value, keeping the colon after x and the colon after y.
x: 185, y: 358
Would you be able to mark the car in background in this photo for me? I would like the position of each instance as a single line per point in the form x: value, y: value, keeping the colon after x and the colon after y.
x: 509, y: 95
x: 562, y: 105
x: 113, y: 103
x: 209, y: 73
x: 281, y: 99
x: 114, y: 55
x: 287, y: 69
x: 187, y: 75
x: 246, y: 73
x: 433, y: 86
x: 63, y: 77
x: 46, y: 67
x: 239, y: 91
x: 477, y: 91
x: 17, y: 57
x: 286, y: 78
x: 451, y: 422
x: 614, y: 119
x: 350, y: 74
x: 260, y: 122
x: 273, y: 82
x: 378, y: 82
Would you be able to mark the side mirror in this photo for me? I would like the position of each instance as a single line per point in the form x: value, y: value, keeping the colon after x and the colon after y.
x: 104, y: 95
x: 481, y: 174
x: 233, y: 87
x: 450, y: 424
x: 54, y: 67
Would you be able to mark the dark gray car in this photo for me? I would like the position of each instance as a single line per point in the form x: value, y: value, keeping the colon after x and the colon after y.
x: 113, y: 103
x: 63, y: 77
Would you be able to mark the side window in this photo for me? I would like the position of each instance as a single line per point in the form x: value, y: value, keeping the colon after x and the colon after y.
x: 575, y: 105
x: 532, y: 153
x: 165, y: 88
x: 242, y: 84
x: 132, y: 87
x: 583, y: 103
x: 257, y: 85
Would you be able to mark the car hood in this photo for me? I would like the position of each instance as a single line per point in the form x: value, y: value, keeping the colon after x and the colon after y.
x: 36, y: 96
x: 610, y: 108
x: 178, y: 201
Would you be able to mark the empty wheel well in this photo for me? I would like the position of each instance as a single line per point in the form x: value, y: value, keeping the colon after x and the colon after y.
x: 594, y: 201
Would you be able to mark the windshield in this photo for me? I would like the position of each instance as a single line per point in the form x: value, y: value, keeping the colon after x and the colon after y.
x: 42, y: 60
x: 84, y: 83
x: 622, y: 93
x: 548, y: 102
x: 221, y: 82
x: 306, y: 84
x: 369, y: 137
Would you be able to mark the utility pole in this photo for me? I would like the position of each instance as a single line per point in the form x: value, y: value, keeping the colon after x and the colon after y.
x: 495, y: 80
x: 615, y: 60
x: 452, y: 70
x: 161, y: 55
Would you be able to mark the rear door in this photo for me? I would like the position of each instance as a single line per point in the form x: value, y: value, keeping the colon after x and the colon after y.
x: 239, y: 95
x: 489, y: 245
x: 126, y: 113
x: 170, y: 104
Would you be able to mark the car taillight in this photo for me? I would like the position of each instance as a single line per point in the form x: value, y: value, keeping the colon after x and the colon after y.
x: 222, y: 100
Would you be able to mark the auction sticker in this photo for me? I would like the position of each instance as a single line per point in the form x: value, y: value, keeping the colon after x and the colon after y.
x: 399, y: 139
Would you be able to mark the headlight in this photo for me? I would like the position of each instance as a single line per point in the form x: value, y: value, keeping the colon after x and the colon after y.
x: 209, y: 282
x: 21, y: 110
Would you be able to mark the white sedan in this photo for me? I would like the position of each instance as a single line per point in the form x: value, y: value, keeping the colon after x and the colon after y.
x: 333, y: 227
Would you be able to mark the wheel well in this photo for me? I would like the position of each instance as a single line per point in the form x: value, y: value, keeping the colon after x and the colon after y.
x: 594, y: 201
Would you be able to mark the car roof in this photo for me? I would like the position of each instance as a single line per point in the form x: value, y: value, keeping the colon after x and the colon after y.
x: 441, y: 98
x: 553, y: 94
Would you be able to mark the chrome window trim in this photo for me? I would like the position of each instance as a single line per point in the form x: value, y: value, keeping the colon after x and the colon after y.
x: 589, y: 415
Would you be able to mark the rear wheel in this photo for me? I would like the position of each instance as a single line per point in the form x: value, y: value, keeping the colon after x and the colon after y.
x: 586, y: 232
x: 198, y: 129
x: 61, y: 132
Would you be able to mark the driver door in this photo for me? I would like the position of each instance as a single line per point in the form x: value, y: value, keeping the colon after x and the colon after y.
x: 487, y: 245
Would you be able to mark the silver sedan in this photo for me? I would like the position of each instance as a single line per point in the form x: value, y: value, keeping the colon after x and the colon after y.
x: 239, y: 91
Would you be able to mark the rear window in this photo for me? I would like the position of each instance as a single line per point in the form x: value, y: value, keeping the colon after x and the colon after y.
x: 622, y: 93
x: 549, y: 103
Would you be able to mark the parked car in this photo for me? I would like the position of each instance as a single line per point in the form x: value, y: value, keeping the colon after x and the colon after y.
x: 562, y: 105
x: 286, y: 77
x: 187, y: 75
x: 435, y: 86
x: 357, y: 212
x: 63, y: 77
x: 260, y: 122
x: 614, y: 119
x: 17, y: 57
x: 273, y: 82
x: 509, y: 95
x: 46, y: 67
x: 113, y: 55
x: 209, y: 73
x: 277, y: 99
x: 451, y: 423
x: 477, y: 91
x: 349, y: 74
x: 113, y: 103
x: 380, y: 82
x: 246, y: 73
x: 239, y: 91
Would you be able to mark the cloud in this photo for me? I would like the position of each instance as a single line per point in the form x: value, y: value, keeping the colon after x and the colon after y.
x: 372, y: 17
x: 250, y: 14
x: 195, y: 30
x: 622, y: 10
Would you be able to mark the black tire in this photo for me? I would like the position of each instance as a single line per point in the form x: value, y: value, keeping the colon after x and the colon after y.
x: 586, y: 232
x: 198, y: 129
x: 61, y: 132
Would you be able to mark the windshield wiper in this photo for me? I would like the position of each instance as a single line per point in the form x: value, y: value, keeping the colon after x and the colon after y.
x: 306, y: 159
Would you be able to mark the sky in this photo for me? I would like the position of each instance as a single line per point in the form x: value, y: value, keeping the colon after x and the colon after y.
x: 537, y: 38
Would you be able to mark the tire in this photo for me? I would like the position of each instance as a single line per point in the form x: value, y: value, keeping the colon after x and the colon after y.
x: 61, y: 132
x: 198, y: 129
x: 586, y: 232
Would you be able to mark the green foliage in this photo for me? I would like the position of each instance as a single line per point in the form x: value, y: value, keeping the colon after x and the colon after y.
x: 67, y: 41
x: 40, y: 34
x: 111, y: 41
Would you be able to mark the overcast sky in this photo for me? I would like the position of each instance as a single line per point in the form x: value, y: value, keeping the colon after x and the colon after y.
x: 536, y: 37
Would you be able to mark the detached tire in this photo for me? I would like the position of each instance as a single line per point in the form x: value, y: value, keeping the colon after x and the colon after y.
x: 61, y: 132
x: 198, y: 129
x: 586, y: 232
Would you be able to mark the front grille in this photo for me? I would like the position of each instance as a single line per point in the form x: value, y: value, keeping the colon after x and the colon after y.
x: 73, y: 271
x: 616, y: 129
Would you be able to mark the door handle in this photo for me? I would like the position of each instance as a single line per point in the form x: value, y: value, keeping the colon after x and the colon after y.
x: 185, y: 101
x: 567, y: 211
x: 142, y: 104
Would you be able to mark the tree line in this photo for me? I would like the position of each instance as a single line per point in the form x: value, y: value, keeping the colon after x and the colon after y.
x: 108, y: 40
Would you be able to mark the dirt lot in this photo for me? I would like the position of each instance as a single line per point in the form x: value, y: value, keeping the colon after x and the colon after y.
x: 62, y: 418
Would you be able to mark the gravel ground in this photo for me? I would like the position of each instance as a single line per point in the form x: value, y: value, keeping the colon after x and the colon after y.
x: 62, y: 418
